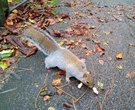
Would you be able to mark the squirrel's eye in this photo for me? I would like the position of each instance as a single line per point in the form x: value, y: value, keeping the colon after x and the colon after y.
x: 87, y: 82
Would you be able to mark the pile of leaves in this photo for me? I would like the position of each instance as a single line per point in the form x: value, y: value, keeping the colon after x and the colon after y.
x: 20, y: 18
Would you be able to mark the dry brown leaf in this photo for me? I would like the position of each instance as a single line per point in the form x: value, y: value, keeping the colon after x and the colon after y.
x: 101, y: 62
x: 46, y: 98
x: 119, y: 56
x: 68, y: 104
x: 84, y: 46
x: 131, y: 75
x: 87, y: 52
x: 56, y: 82
x: 99, y: 49
x: 59, y: 92
x: 61, y: 72
x: 110, y: 58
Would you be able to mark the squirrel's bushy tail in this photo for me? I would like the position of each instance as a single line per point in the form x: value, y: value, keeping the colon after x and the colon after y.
x: 42, y: 40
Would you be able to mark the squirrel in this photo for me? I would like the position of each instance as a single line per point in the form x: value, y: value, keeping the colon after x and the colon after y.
x: 58, y: 56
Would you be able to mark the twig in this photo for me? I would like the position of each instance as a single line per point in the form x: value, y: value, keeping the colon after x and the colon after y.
x: 66, y: 92
x: 67, y: 84
x: 8, y: 90
x: 36, y: 99
x: 24, y: 69
x: 81, y: 96
x: 74, y: 105
x: 100, y: 104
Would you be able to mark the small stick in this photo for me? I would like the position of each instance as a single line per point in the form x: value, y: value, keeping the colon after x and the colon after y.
x: 66, y: 93
x: 81, y: 96
x: 36, y: 99
x: 67, y: 84
x: 24, y: 69
x: 74, y: 105
x: 8, y: 90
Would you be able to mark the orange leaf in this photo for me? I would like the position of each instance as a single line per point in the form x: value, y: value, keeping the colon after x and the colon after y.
x: 119, y: 56
x: 87, y: 52
x: 61, y: 72
x: 46, y: 98
x: 56, y: 82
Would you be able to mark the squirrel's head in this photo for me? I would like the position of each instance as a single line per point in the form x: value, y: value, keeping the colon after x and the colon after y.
x: 87, y: 78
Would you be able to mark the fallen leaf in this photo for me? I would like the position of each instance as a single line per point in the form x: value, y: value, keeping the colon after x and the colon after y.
x: 51, y: 108
x: 92, y: 27
x: 9, y: 61
x: 119, y: 67
x: 87, y: 52
x: 55, y: 33
x: 31, y: 51
x: 31, y: 21
x: 106, y: 43
x: 67, y: 104
x: 107, y: 33
x: 119, y: 56
x: 17, y: 53
x: 99, y: 49
x: 61, y: 43
x: 100, y: 85
x: 61, y: 72
x: 110, y: 58
x: 10, y: 1
x: 3, y: 65
x: 56, y: 82
x: 15, y: 11
x: 6, y: 53
x: 9, y: 22
x: 101, y: 62
x: 60, y: 92
x: 131, y: 75
x: 44, y: 91
x: 84, y: 46
x: 46, y: 98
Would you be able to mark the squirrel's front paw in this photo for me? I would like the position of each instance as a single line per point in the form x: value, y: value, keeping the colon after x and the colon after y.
x: 46, y: 66
x: 67, y: 79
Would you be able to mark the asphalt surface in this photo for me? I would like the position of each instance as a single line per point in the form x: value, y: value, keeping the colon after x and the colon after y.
x: 122, y: 95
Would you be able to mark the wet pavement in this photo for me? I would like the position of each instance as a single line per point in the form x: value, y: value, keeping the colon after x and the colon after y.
x: 122, y: 95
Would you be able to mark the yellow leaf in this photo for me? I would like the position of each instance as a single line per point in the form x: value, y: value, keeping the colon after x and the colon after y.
x: 119, y: 56
x: 61, y: 43
x: 106, y: 43
x: 59, y: 19
x: 119, y: 67
x: 100, y: 85
x: 10, y: 1
x: 107, y: 33
x: 56, y: 82
x: 15, y: 11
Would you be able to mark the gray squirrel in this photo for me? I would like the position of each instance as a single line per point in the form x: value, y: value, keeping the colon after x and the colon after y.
x: 58, y: 56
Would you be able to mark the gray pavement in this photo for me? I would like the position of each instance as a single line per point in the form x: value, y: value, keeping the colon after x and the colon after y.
x: 123, y: 93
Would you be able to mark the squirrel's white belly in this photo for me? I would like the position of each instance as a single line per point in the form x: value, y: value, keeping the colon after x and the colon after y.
x: 56, y: 59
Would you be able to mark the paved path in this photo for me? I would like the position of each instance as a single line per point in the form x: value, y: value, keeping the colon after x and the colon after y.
x: 123, y: 94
